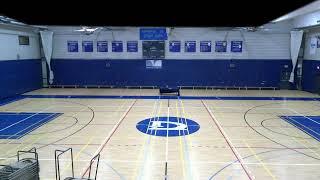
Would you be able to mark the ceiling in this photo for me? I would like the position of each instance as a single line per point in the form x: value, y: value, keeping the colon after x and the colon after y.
x: 200, y: 13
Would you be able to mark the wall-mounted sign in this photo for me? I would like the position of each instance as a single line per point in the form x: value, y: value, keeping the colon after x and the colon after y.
x: 87, y: 46
x: 73, y: 46
x: 221, y: 46
x: 153, y: 34
x: 190, y: 46
x: 236, y: 46
x: 205, y: 46
x: 153, y: 64
x: 117, y: 46
x: 175, y: 46
x: 313, y: 45
x: 102, y: 46
x: 132, y: 46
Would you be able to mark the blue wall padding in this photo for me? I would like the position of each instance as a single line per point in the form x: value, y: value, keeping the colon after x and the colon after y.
x: 19, y: 76
x: 309, y: 72
x: 253, y: 73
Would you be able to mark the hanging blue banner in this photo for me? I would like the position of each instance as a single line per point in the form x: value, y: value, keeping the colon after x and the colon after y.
x: 174, y: 46
x: 205, y: 46
x: 190, y: 46
x: 153, y: 34
x: 221, y: 46
x: 73, y: 46
x: 87, y: 46
x: 117, y: 46
x: 236, y: 46
x: 132, y: 46
x: 102, y: 46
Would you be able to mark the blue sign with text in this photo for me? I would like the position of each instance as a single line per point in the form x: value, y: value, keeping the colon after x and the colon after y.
x: 190, y: 46
x: 102, y: 46
x: 87, y: 46
x: 117, y: 46
x: 236, y: 46
x: 175, y: 46
x: 73, y: 46
x: 153, y: 34
x: 205, y: 46
x: 132, y: 46
x: 221, y: 46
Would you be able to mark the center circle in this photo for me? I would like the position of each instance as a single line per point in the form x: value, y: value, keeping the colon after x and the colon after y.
x: 168, y: 126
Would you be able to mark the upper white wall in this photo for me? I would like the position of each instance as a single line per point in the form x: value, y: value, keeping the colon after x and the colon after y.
x: 309, y: 34
x: 256, y: 45
x: 9, y: 44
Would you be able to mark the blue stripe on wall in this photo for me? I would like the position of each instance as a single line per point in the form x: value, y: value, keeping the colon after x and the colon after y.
x: 253, y: 73
x: 19, y: 76
x: 309, y: 72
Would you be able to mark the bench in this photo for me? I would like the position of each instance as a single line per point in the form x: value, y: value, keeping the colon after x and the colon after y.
x: 167, y: 90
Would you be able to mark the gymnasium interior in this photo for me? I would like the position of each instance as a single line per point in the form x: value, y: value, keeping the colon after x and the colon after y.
x: 161, y: 102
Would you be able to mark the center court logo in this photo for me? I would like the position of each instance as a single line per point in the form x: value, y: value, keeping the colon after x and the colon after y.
x: 168, y: 126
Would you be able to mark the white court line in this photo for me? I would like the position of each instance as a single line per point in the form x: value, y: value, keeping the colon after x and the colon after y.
x: 195, y: 162
x: 303, y: 115
x: 157, y: 110
x: 191, y: 107
x: 186, y: 149
x: 303, y: 129
x: 167, y: 140
x: 26, y: 118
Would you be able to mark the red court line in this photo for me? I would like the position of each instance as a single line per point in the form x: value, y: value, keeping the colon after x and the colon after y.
x: 229, y: 143
x: 114, y: 130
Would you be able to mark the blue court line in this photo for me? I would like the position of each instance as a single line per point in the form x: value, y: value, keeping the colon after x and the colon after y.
x: 17, y: 125
x: 308, y: 124
x: 175, y: 97
x: 10, y: 100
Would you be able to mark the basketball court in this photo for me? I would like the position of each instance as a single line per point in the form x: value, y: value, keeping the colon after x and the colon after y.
x: 225, y: 134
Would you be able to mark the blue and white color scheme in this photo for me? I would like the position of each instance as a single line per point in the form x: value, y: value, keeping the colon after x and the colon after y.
x: 73, y: 46
x: 205, y: 46
x: 132, y: 46
x: 175, y: 46
x: 236, y: 46
x: 308, y: 124
x: 16, y: 125
x: 168, y: 126
x: 87, y: 46
x: 117, y: 46
x: 153, y: 64
x: 153, y: 34
x: 190, y: 46
x: 221, y: 46
x: 102, y: 46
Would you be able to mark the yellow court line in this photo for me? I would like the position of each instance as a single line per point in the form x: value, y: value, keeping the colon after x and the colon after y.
x: 151, y: 142
x: 188, y: 137
x: 78, y: 154
x: 259, y: 159
x: 181, y: 149
x: 154, y: 111
x: 300, y: 141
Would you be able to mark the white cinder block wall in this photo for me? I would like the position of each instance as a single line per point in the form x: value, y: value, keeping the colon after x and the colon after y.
x: 256, y: 45
x: 10, y: 48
